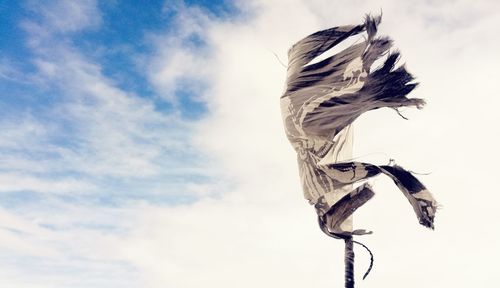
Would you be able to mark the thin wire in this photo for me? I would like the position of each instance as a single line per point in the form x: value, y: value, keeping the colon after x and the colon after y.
x: 279, y: 60
x: 371, y: 258
x: 322, y: 226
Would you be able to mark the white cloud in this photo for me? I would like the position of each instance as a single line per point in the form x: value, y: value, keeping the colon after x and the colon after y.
x: 66, y: 16
x: 179, y: 62
x: 22, y: 236
x: 11, y: 182
x: 259, y: 234
x: 96, y: 128
x: 68, y: 252
x: 17, y: 131
x: 91, y: 132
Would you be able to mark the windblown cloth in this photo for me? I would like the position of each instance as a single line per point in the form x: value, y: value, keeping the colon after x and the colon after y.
x: 320, y: 102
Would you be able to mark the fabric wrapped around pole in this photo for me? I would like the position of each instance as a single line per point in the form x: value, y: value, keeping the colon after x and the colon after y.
x: 320, y: 102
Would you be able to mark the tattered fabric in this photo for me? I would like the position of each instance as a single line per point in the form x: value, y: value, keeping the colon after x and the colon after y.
x: 320, y: 102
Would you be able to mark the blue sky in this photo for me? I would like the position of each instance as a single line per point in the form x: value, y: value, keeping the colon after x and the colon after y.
x: 141, y: 145
x: 114, y: 40
x: 56, y: 127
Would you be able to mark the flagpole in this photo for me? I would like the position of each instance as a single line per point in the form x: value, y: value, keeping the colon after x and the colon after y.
x: 349, y: 263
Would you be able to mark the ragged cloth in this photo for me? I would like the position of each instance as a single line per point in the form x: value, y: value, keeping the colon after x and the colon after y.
x: 320, y: 102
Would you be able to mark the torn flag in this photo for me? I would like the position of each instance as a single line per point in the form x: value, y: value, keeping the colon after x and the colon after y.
x: 320, y: 102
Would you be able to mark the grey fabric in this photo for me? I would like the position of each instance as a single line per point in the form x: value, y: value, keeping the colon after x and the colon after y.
x: 320, y: 102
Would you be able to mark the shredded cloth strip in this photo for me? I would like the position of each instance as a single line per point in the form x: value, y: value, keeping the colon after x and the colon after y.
x: 320, y: 102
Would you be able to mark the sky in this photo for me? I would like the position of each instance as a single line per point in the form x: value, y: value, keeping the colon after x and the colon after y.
x: 141, y: 145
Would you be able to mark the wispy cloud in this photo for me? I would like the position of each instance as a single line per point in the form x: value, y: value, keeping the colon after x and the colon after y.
x: 181, y: 62
x: 97, y: 128
x: 63, y: 16
x: 85, y: 140
x: 11, y: 182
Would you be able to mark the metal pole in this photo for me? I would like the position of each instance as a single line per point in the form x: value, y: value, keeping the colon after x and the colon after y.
x: 349, y: 263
